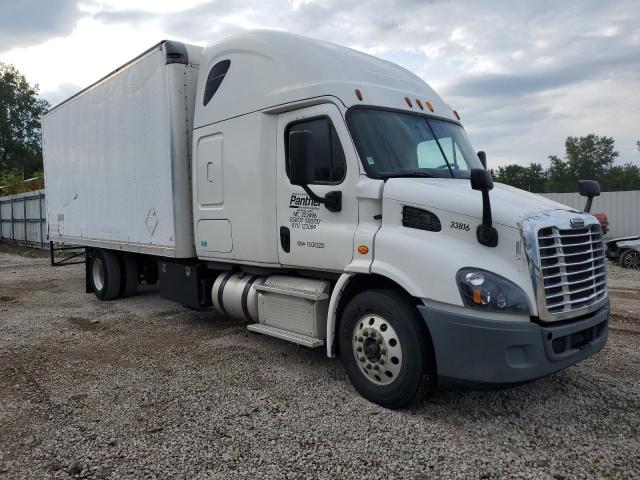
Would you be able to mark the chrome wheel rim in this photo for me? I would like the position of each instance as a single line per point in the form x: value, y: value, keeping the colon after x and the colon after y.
x: 632, y: 260
x: 98, y: 274
x: 377, y: 349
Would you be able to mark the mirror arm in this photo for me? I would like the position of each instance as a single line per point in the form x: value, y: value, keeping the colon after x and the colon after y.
x: 332, y: 201
x: 587, y: 207
x: 487, y: 235
x: 312, y: 195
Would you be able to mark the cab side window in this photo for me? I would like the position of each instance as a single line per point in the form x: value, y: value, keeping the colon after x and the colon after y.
x: 214, y: 79
x: 326, y: 156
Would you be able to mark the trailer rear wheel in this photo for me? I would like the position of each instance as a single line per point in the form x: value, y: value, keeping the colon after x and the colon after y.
x: 383, y: 349
x: 105, y: 274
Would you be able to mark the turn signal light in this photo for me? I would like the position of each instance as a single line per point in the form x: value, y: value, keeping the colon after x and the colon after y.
x: 419, y: 104
x: 359, y: 94
x: 408, y: 100
x: 476, y: 297
x: 429, y: 106
x: 363, y: 249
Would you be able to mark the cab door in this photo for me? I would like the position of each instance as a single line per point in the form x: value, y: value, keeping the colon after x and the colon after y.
x: 309, y: 235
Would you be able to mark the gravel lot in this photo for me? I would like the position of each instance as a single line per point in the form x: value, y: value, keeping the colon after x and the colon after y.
x: 143, y: 388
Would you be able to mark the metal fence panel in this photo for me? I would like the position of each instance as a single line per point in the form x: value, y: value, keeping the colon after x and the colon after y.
x: 22, y: 219
x: 621, y: 208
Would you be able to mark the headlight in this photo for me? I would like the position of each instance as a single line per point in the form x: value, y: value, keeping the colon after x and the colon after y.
x: 487, y: 291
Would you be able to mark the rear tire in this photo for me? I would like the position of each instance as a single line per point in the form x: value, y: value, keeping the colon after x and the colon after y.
x: 387, y: 356
x: 104, y: 274
x: 630, y: 259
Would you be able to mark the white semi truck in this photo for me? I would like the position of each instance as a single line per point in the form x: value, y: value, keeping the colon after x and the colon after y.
x: 328, y: 198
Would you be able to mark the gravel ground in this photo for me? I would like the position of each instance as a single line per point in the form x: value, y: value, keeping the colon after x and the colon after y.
x: 143, y: 388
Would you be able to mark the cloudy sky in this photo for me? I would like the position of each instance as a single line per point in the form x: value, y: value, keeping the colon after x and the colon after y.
x: 523, y: 74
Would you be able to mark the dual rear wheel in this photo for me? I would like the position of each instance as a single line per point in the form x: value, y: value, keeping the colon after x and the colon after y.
x: 112, y: 275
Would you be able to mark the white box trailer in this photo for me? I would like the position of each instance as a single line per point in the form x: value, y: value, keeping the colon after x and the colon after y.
x: 327, y: 198
x: 117, y: 157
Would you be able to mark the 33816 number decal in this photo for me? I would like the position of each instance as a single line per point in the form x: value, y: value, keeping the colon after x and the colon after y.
x: 460, y: 226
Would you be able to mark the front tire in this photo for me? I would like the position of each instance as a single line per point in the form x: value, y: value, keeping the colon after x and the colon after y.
x: 105, y: 274
x: 383, y: 349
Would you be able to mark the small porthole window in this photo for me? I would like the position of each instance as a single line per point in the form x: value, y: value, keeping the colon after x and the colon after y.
x: 216, y: 75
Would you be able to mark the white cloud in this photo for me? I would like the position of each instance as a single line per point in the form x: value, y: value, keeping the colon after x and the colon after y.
x: 91, y: 51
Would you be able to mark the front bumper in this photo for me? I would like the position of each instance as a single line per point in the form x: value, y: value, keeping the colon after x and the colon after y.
x: 472, y: 350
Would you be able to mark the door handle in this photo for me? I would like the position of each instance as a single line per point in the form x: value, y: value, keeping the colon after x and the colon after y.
x: 285, y: 239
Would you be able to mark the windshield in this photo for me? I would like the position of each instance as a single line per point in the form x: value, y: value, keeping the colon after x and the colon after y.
x: 397, y: 144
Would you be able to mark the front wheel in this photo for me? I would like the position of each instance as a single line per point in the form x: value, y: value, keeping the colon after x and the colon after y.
x: 383, y: 349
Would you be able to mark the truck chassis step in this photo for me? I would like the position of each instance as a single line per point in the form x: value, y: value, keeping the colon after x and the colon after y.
x: 303, y: 340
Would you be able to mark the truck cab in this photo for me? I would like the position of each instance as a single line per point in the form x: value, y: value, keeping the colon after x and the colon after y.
x: 387, y: 206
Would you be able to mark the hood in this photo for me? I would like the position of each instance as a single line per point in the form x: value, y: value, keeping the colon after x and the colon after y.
x: 508, y: 204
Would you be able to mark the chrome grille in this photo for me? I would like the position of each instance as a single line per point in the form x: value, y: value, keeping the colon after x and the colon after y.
x: 572, y: 268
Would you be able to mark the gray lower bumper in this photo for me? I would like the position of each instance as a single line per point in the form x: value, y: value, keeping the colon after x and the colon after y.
x: 474, y: 350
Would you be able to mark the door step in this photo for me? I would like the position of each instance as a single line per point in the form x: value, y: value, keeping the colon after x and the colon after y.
x: 298, y: 338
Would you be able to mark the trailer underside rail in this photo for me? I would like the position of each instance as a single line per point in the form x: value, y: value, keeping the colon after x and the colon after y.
x: 68, y: 259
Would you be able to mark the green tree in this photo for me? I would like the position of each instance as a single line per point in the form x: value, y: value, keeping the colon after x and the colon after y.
x: 12, y: 181
x: 558, y: 176
x: 589, y: 157
x: 532, y: 178
x: 622, y: 177
x: 20, y: 112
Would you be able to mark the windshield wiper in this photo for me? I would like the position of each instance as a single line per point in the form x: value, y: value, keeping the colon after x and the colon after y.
x: 407, y: 173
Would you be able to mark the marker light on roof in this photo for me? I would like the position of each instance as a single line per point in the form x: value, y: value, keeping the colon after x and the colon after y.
x: 456, y: 114
x: 429, y: 106
x: 419, y: 104
x: 359, y: 94
x: 408, y: 100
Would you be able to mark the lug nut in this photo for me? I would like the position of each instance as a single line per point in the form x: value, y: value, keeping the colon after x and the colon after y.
x: 360, y: 339
x: 365, y: 334
x: 381, y: 362
x: 376, y: 367
x: 361, y: 359
x: 383, y: 351
x: 368, y: 367
x: 359, y: 349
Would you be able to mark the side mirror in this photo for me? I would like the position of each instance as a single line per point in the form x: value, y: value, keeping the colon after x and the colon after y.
x: 299, y: 145
x: 483, y: 158
x: 481, y: 180
x: 589, y: 189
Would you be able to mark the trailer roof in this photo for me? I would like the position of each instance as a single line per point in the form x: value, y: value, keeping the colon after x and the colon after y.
x: 177, y: 52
